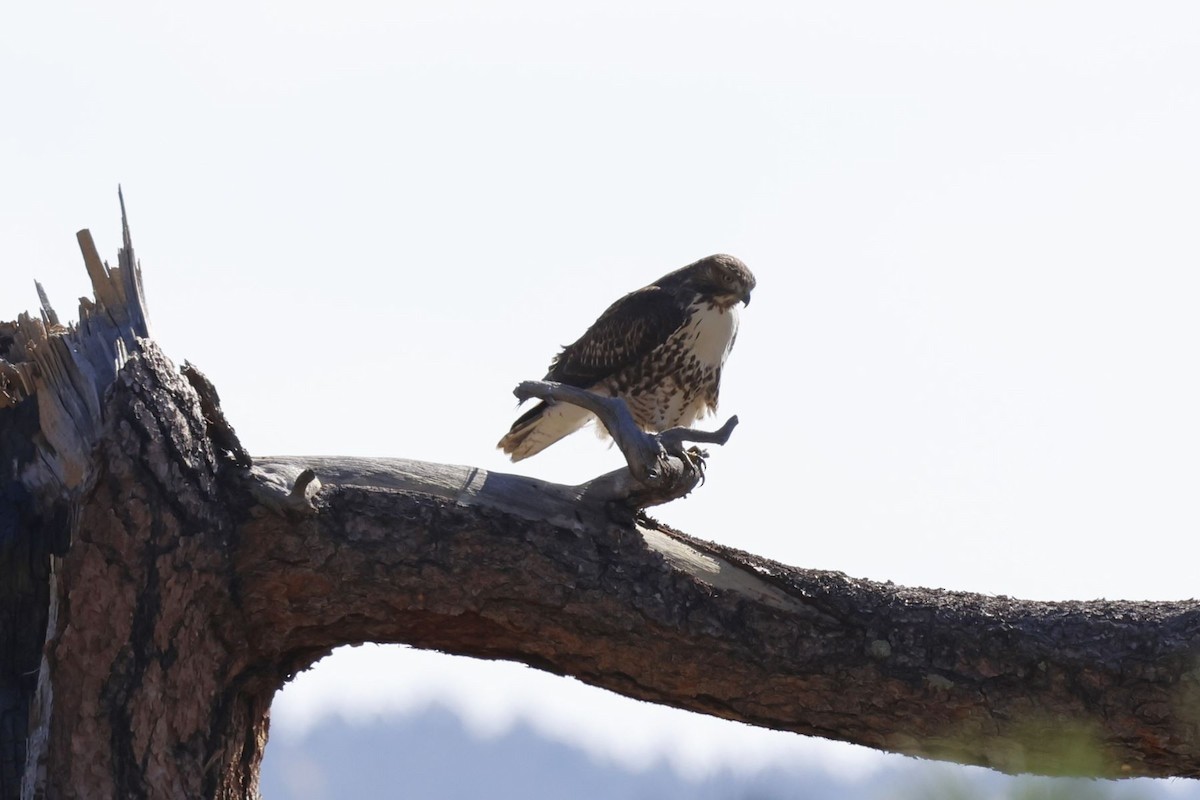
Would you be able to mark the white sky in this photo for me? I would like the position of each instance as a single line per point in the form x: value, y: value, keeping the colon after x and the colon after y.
x: 970, y: 361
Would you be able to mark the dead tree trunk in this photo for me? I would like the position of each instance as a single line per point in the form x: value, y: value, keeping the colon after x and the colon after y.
x: 157, y: 587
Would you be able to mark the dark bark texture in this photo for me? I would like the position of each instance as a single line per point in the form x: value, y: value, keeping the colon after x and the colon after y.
x: 28, y: 535
x: 152, y: 697
x: 157, y: 587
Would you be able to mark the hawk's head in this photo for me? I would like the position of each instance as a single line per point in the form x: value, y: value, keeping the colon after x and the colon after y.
x: 723, y: 279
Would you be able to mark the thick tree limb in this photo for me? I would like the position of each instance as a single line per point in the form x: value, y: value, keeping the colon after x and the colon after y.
x: 155, y: 593
x: 442, y: 557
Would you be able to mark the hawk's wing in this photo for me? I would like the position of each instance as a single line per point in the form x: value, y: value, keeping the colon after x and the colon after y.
x: 625, y: 333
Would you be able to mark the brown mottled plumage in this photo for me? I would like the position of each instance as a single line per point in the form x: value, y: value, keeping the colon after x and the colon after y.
x: 660, y: 348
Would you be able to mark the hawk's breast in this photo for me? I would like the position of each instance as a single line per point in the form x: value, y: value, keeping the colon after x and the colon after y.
x: 712, y: 331
x: 678, y: 382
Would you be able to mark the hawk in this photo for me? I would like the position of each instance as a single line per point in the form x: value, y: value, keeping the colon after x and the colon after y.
x: 660, y: 349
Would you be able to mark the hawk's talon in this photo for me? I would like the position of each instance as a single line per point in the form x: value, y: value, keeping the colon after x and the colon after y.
x: 693, y: 457
x: 697, y: 458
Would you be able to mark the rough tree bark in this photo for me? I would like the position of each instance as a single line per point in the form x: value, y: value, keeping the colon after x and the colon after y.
x: 157, y: 586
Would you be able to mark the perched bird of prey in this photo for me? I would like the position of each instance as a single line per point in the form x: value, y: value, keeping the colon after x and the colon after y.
x: 660, y: 348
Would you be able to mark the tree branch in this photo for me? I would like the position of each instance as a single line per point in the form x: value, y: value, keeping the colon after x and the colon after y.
x: 450, y: 558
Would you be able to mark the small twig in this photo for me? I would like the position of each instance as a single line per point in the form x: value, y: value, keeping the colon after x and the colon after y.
x: 675, y: 437
x: 299, y: 499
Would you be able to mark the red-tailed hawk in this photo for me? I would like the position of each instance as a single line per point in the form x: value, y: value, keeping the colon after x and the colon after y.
x: 660, y: 348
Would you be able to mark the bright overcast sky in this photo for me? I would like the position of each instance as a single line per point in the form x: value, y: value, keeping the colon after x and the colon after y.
x: 970, y: 361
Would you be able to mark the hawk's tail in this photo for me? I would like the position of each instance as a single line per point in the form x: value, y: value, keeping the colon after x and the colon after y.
x: 540, y: 427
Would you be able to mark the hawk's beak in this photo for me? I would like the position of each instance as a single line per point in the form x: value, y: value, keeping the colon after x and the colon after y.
x: 746, y: 299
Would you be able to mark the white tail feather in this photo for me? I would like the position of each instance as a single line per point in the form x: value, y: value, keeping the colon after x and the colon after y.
x: 555, y: 422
